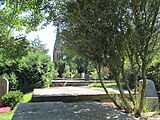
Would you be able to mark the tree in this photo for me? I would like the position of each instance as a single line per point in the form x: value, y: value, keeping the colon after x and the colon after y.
x: 120, y: 30
x: 15, y: 48
x: 99, y: 31
x: 18, y: 15
x: 38, y: 47
x: 146, y: 30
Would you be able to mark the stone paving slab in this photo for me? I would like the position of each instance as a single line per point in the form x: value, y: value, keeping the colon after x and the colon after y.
x: 71, y: 93
x: 68, y: 94
x: 61, y: 91
x: 55, y: 91
x: 97, y: 111
x: 44, y: 111
x: 68, y: 111
x: 82, y: 91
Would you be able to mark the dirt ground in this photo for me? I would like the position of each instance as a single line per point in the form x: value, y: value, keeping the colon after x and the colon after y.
x: 148, y: 116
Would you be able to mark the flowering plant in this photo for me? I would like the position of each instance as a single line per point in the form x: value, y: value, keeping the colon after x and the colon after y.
x: 4, y: 109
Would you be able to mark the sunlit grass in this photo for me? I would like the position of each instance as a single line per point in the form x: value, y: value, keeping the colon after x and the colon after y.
x: 27, y: 97
x: 7, y: 116
x: 107, y: 85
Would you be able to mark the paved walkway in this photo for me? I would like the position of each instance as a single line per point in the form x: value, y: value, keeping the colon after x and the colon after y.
x: 70, y: 90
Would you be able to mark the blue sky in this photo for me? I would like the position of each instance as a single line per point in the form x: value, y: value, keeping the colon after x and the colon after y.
x: 47, y: 36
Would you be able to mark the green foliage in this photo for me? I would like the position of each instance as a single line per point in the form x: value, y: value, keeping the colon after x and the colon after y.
x: 61, y: 68
x: 109, y: 32
x: 93, y: 73
x: 68, y: 72
x: 13, y: 83
x: 153, y: 73
x: 12, y: 98
x: 15, y: 48
x: 34, y: 70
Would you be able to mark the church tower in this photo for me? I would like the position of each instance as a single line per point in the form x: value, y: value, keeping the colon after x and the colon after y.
x: 56, y: 45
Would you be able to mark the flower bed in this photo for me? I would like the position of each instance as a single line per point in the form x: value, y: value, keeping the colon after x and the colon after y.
x: 4, y: 109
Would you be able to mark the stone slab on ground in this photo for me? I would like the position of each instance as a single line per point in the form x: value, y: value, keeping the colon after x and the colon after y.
x: 44, y: 111
x: 68, y: 111
x: 97, y: 111
x: 68, y: 94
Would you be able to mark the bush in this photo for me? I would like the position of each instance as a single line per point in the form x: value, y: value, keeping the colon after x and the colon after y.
x: 12, y: 98
x: 12, y: 78
x: 153, y: 73
x: 33, y: 71
x: 36, y: 71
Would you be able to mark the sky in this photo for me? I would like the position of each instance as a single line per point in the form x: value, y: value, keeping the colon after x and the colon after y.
x: 47, y: 36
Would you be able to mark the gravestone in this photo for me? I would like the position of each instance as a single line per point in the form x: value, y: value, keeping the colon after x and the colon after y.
x: 150, y: 94
x: 4, y: 86
x: 87, y: 77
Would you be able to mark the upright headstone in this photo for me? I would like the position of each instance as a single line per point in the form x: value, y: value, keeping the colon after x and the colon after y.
x: 83, y: 75
x: 87, y: 77
x: 4, y: 86
x: 150, y: 94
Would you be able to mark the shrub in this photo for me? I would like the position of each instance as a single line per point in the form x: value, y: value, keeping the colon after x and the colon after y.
x: 36, y: 71
x: 68, y: 73
x: 153, y: 73
x: 12, y: 78
x: 12, y: 98
x: 33, y: 71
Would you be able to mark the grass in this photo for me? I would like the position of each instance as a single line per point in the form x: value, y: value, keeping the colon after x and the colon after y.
x: 108, y: 85
x: 27, y: 97
x: 8, y: 116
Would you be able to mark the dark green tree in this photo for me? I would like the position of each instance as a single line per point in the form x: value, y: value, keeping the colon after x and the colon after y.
x: 109, y: 32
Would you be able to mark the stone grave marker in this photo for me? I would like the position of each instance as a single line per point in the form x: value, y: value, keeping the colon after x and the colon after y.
x: 87, y: 77
x: 150, y: 94
x: 4, y: 86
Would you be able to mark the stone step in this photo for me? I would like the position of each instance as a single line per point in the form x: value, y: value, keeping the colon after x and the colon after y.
x: 70, y: 98
x: 77, y: 82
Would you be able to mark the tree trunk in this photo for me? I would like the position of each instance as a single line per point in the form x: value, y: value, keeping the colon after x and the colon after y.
x: 127, y: 108
x: 99, y: 75
x: 142, y: 97
x: 128, y: 88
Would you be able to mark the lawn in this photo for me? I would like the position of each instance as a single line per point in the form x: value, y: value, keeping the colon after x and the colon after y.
x: 8, y: 116
x: 107, y: 85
